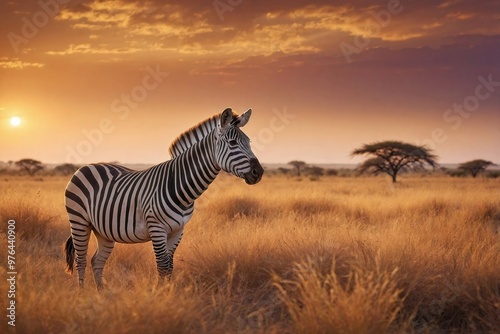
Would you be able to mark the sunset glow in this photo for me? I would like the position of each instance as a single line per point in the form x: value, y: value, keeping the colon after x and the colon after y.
x: 119, y: 80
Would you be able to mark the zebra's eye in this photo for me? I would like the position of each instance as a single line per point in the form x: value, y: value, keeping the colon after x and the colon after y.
x: 232, y: 142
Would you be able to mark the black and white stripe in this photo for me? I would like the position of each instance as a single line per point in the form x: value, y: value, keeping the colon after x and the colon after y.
x: 122, y: 205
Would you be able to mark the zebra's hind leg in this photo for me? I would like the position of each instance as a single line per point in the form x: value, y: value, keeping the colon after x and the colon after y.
x: 81, y: 235
x: 104, y: 249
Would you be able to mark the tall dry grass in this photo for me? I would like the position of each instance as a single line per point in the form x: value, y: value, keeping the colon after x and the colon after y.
x: 339, y: 255
x: 362, y: 302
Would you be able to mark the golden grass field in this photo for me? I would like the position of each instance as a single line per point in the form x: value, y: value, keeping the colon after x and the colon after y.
x: 337, y: 255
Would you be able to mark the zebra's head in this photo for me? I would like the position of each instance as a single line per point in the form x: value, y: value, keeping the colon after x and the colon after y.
x: 233, y: 152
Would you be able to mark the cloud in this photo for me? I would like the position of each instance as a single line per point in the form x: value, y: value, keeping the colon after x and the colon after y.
x: 88, y: 49
x: 461, y: 53
x: 99, y: 15
x: 259, y: 28
x: 264, y: 28
x: 162, y: 29
x: 17, y: 64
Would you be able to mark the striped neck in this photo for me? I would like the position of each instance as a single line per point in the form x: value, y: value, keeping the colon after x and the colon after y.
x: 194, y: 170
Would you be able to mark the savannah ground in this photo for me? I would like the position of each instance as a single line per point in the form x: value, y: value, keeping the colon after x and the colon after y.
x: 336, y: 255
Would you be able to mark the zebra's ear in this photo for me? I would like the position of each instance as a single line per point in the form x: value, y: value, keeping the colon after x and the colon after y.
x: 226, y: 118
x: 243, y: 118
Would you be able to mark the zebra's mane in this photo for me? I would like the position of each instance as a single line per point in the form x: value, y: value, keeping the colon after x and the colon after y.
x: 194, y: 135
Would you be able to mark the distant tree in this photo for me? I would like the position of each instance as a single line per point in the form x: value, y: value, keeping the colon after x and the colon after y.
x: 493, y: 174
x: 66, y: 169
x: 30, y: 165
x: 456, y: 173
x: 314, y: 171
x: 298, y: 165
x: 391, y: 157
x: 332, y: 172
x: 474, y: 167
x: 284, y: 171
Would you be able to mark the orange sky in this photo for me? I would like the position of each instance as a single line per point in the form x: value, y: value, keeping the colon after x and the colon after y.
x: 119, y: 80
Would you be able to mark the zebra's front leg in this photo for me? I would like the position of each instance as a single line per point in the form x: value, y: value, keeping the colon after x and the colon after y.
x: 164, y: 247
x: 163, y: 260
x: 172, y: 242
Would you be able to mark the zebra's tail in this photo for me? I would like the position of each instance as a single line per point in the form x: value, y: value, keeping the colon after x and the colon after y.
x: 69, y: 249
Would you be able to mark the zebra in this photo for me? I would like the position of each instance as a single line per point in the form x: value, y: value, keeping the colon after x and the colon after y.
x: 119, y: 204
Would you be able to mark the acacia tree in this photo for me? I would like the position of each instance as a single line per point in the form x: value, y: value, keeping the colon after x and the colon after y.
x: 30, y: 165
x: 66, y: 169
x: 314, y: 171
x: 299, y: 165
x: 283, y: 170
x: 474, y: 167
x: 391, y: 157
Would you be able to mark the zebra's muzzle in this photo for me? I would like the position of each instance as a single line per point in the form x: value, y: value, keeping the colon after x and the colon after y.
x: 255, y: 174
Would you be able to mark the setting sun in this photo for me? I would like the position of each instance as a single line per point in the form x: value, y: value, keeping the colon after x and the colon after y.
x: 15, y: 121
